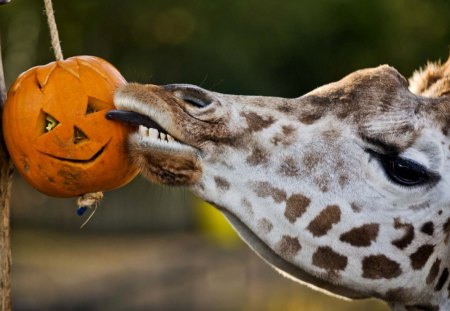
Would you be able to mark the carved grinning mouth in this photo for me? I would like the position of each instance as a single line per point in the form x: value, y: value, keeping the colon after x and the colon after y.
x: 92, y: 159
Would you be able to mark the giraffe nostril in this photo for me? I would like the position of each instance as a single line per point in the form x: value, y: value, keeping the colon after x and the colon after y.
x: 193, y: 95
x: 196, y: 102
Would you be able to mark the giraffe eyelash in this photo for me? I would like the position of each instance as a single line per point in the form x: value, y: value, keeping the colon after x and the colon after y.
x: 404, y: 172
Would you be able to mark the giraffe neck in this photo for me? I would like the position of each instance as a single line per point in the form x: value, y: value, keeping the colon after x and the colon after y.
x: 339, y: 256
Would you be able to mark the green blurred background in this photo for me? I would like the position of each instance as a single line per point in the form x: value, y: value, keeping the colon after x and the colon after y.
x: 155, y: 248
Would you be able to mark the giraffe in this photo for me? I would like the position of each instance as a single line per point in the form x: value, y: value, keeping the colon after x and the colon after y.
x: 345, y: 189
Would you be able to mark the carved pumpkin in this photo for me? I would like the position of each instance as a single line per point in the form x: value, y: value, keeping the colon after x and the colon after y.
x: 56, y: 131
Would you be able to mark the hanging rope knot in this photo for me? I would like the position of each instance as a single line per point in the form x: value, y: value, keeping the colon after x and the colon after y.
x: 88, y: 200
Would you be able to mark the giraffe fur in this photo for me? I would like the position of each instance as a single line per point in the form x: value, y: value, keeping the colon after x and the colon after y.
x: 305, y: 182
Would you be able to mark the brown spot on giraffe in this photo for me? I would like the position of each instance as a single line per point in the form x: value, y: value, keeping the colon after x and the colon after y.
x: 285, y: 108
x: 448, y: 290
x: 265, y: 225
x: 257, y: 157
x: 407, y: 238
x: 442, y: 279
x: 343, y: 180
x: 276, y: 139
x: 309, y: 118
x: 361, y: 236
x: 355, y: 207
x: 264, y: 189
x: 323, y: 182
x: 288, y: 130
x: 398, y: 294
x: 330, y: 135
x: 222, y: 183
x: 296, y: 205
x: 289, y: 167
x: 310, y: 160
x: 447, y: 230
x: 288, y: 247
x: 247, y: 206
x: 326, y: 258
x: 380, y: 267
x: 434, y: 270
x: 420, y: 257
x: 428, y: 228
x: 256, y: 122
x: 286, y: 137
x: 320, y: 225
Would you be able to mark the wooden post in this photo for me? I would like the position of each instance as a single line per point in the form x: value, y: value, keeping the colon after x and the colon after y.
x: 6, y: 171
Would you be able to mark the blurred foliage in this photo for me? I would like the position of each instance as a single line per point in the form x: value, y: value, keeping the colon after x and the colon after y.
x: 280, y: 48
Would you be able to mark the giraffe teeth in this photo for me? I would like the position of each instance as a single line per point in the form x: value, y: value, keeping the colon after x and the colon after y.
x: 162, y: 136
x: 143, y: 131
x: 153, y: 133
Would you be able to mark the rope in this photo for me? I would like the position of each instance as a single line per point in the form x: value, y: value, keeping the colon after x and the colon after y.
x: 88, y: 200
x: 56, y: 44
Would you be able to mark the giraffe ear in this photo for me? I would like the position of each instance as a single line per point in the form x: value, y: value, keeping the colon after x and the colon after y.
x: 431, y: 81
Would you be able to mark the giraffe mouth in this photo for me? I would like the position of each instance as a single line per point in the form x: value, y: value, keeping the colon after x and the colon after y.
x: 148, y: 132
x: 161, y: 156
x: 134, y: 119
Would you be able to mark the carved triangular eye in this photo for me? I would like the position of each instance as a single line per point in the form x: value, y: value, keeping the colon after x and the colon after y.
x: 90, y: 108
x: 50, y: 123
x: 95, y: 105
x: 78, y: 135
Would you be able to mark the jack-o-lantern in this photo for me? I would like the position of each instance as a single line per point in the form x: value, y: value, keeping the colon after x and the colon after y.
x: 56, y: 131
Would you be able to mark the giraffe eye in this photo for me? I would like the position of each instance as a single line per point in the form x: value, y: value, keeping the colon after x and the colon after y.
x: 403, y: 171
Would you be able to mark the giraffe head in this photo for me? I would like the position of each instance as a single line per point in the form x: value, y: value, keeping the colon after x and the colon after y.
x: 345, y: 188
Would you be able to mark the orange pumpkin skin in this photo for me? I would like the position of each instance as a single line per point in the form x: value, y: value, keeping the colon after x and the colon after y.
x: 56, y: 132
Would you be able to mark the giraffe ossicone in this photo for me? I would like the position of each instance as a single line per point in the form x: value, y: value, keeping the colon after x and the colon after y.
x: 345, y: 188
